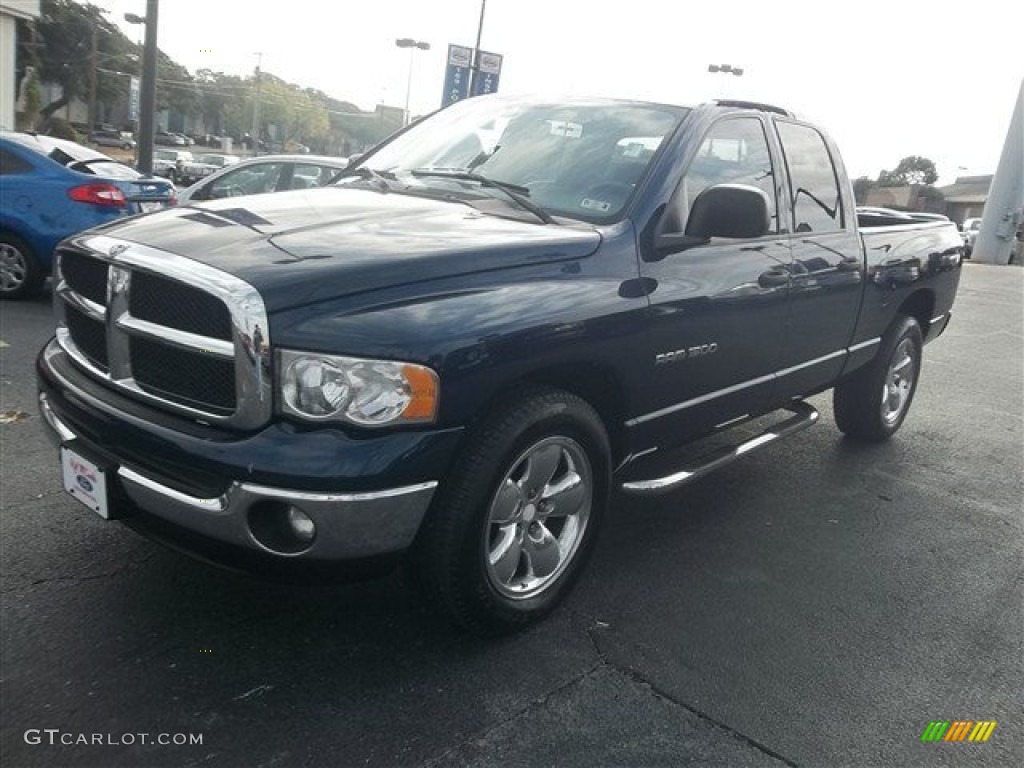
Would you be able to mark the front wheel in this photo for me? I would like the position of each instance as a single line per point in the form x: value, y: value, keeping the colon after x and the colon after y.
x: 514, y: 524
x: 20, y: 273
x: 873, y: 403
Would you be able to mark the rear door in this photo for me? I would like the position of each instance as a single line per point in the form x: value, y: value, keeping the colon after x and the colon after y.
x: 828, y: 268
x: 718, y: 312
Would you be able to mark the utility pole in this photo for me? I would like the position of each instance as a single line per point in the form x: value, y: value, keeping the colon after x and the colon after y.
x: 256, y: 106
x: 93, y: 57
x: 147, y: 116
x: 475, y: 70
x: 1004, y: 209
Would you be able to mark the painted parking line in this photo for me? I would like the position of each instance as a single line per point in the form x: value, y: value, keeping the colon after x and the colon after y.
x: 3, y: 344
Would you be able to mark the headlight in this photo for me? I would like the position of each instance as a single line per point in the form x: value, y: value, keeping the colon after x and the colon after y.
x: 369, y: 393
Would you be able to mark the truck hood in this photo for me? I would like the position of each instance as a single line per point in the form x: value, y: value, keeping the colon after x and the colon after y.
x: 305, y: 246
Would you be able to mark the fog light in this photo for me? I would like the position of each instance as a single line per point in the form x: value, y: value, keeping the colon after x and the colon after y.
x: 302, y: 525
x: 280, y: 527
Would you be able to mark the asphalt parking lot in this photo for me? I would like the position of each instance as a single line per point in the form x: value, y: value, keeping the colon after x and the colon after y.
x: 817, y: 604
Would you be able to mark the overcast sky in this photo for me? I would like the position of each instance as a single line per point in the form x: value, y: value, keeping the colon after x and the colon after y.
x: 886, y: 78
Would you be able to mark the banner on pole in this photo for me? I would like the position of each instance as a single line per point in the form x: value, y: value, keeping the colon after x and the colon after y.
x: 133, y: 99
x: 488, y: 73
x: 457, y: 74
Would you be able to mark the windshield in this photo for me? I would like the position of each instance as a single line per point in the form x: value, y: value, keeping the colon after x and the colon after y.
x: 581, y: 160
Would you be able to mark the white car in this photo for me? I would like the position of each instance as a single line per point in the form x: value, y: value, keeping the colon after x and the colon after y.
x: 170, y: 163
x: 971, y: 229
x: 269, y: 173
x: 204, y: 165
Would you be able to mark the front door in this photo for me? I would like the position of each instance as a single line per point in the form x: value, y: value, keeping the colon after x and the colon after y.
x: 718, y: 312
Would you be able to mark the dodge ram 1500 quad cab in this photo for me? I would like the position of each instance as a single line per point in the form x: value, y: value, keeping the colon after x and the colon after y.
x: 458, y: 348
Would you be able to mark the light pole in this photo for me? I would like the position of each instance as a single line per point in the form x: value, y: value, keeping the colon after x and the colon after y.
x: 412, y: 45
x: 147, y: 108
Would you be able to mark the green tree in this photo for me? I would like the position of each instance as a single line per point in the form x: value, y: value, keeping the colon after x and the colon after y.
x: 911, y: 170
x: 861, y: 187
x: 65, y: 30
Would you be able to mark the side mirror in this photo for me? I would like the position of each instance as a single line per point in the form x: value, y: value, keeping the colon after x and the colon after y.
x: 730, y: 210
x: 724, y: 210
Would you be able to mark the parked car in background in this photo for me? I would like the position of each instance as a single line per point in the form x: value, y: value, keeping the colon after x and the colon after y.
x: 170, y: 163
x: 122, y: 139
x: 168, y: 139
x: 971, y: 229
x: 205, y: 165
x: 271, y: 173
x: 54, y: 188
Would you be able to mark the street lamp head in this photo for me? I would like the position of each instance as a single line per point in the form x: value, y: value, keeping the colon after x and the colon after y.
x: 408, y: 42
x: 134, y: 18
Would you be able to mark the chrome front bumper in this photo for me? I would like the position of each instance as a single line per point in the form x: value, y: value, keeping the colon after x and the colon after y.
x: 349, y: 526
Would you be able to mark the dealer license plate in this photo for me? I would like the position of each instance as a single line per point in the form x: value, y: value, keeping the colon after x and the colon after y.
x: 85, y: 481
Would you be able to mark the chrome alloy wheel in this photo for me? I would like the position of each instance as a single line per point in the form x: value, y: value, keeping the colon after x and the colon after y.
x: 538, y: 517
x: 13, y: 268
x: 899, y: 382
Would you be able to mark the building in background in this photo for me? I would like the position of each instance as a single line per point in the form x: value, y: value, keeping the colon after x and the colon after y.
x: 965, y: 198
x: 10, y: 12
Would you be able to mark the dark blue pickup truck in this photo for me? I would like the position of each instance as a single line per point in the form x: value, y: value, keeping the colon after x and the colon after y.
x: 456, y: 349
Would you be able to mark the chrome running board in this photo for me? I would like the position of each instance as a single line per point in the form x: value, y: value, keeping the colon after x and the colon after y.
x: 804, y: 416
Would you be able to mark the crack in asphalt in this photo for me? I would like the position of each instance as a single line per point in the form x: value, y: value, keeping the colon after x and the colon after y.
x: 125, y: 566
x: 537, y: 703
x: 640, y: 679
x: 603, y: 662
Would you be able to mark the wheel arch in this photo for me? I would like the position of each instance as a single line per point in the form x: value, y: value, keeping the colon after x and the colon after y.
x: 598, y: 385
x: 919, y: 305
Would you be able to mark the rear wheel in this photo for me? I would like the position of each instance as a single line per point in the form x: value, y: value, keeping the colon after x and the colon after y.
x: 873, y: 403
x: 20, y: 273
x: 514, y: 524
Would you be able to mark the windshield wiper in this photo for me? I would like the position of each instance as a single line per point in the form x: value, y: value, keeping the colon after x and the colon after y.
x: 379, y: 178
x: 515, y: 192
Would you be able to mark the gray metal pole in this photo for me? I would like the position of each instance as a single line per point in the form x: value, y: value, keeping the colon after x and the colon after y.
x: 1004, y: 208
x: 147, y: 117
x: 475, y: 70
x: 92, y: 85
x: 256, y: 105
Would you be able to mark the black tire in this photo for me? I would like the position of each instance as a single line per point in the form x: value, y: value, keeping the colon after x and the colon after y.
x: 873, y: 403
x: 551, y: 436
x: 20, y: 274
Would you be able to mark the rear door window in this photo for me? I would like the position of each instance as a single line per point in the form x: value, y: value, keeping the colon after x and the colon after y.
x: 814, y: 185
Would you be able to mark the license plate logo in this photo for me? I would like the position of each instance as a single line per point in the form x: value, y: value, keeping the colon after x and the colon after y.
x: 85, y: 481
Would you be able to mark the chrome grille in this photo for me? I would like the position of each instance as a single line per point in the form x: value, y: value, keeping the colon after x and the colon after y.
x: 90, y: 336
x: 178, y: 306
x: 196, y: 379
x: 89, y: 276
x: 165, y: 329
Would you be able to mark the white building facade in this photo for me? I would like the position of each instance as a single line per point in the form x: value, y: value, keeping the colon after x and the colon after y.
x: 10, y: 12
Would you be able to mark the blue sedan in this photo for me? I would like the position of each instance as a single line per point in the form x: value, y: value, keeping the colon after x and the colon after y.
x: 50, y: 189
